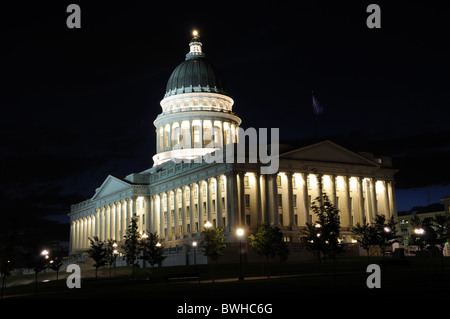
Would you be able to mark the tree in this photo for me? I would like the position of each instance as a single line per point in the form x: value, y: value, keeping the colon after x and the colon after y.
x: 442, y: 229
x: 421, y: 233
x: 213, y: 245
x: 268, y: 241
x: 281, y: 248
x: 131, y: 245
x: 322, y: 236
x: 111, y: 253
x: 152, y: 250
x: 56, y: 262
x: 97, y: 252
x: 364, y: 235
x: 385, y: 232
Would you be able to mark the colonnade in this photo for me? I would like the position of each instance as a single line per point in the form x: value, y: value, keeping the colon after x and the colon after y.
x: 237, y: 199
x: 182, y: 212
x: 195, y: 134
x: 109, y: 221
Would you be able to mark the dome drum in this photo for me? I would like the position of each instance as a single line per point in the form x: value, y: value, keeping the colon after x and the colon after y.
x: 197, y: 116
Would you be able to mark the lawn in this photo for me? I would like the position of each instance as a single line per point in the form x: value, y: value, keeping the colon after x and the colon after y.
x: 402, y: 282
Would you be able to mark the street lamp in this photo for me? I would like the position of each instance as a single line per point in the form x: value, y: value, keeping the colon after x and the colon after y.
x: 194, y: 244
x: 419, y: 231
x: 45, y: 253
x: 240, y: 234
x: 208, y: 224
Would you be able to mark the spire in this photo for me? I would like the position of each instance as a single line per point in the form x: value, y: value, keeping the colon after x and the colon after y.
x: 195, y: 47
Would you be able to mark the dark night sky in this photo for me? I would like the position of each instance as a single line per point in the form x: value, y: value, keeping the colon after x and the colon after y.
x: 78, y: 105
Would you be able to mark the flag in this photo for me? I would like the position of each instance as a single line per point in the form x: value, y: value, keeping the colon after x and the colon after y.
x: 317, y: 107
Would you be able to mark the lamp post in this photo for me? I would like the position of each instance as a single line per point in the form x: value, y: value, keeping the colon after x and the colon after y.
x: 240, y: 234
x: 194, y: 244
x: 115, y: 253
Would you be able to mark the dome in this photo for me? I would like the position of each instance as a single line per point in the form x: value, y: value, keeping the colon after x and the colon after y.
x: 195, y: 74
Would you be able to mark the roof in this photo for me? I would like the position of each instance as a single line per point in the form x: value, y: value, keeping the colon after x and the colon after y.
x: 195, y: 74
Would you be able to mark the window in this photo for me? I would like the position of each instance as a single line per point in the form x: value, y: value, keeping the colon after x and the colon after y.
x: 280, y: 200
x: 246, y: 183
x: 143, y: 219
x: 223, y: 203
x: 247, y: 200
x: 247, y: 219
x: 213, y: 205
x: 296, y: 220
x: 278, y: 180
x: 295, y: 200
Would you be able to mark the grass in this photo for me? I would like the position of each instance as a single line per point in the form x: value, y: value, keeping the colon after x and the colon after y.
x: 406, y: 280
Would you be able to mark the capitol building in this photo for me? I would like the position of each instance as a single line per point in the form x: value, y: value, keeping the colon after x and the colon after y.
x: 182, y: 191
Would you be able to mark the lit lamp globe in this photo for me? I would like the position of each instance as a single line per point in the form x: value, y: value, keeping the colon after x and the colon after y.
x: 208, y: 224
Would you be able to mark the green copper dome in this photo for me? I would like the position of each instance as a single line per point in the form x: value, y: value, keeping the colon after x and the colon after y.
x: 195, y: 74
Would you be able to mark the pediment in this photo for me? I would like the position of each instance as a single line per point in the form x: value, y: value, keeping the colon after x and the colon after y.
x: 110, y: 186
x: 328, y: 151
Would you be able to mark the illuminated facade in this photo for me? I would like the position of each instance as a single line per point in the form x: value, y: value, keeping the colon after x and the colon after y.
x: 176, y: 198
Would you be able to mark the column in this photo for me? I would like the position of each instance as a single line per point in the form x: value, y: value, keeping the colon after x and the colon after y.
x: 275, y: 199
x: 77, y: 234
x: 161, y: 214
x: 208, y: 200
x: 392, y: 201
x: 100, y: 223
x: 333, y: 190
x: 369, y: 199
x: 118, y: 223
x: 348, y: 203
x: 97, y: 223
x: 82, y: 233
x: 191, y: 208
x: 267, y: 193
x: 242, y: 219
x: 183, y: 211
x: 199, y: 206
x: 175, y: 213
x: 305, y: 198
x: 168, y: 217
x: 386, y: 200
x: 374, y: 196
x: 152, y: 221
x: 290, y: 199
x: 219, y: 203
x: 112, y: 224
x: 123, y: 217
x: 361, y: 201
x: 319, y: 177
x: 258, y: 198
x: 128, y: 213
x: 232, y: 201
